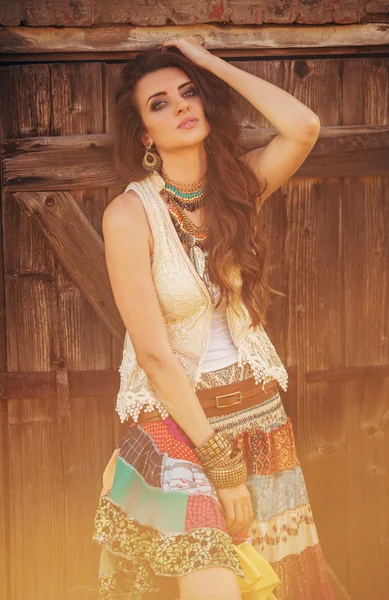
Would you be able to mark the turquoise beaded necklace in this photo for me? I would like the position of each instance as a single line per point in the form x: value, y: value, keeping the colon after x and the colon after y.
x: 190, y: 196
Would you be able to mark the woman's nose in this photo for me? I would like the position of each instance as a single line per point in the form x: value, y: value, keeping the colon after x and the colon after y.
x: 181, y: 104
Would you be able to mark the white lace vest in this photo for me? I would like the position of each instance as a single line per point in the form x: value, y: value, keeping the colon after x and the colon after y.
x: 187, y: 310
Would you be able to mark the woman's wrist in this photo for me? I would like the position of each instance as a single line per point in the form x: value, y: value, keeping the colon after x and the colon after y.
x: 224, y: 466
x: 204, y: 436
x: 216, y: 65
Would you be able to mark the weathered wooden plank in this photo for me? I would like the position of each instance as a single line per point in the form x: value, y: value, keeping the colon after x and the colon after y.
x: 366, y: 211
x: 311, y: 281
x: 367, y: 445
x: 112, y: 73
x: 79, y: 248
x: 347, y: 373
x: 307, y: 224
x: 77, y: 109
x: 42, y: 384
x: 35, y: 490
x: 83, y: 161
x: 14, y: 40
x: 332, y: 138
x: 4, y: 447
x: 94, y: 383
x: 85, y: 13
x: 48, y: 57
x: 365, y: 314
x: 300, y: 219
x: 67, y: 162
x: 37, y: 540
x: 153, y: 12
x: 67, y: 100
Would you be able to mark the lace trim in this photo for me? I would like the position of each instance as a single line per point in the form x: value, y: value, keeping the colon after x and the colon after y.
x: 267, y: 367
x: 190, y: 334
x: 129, y: 403
x: 257, y: 357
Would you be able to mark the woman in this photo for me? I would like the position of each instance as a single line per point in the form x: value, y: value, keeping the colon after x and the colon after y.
x: 204, y: 497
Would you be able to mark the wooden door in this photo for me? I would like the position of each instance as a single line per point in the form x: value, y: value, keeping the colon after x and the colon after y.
x: 329, y: 247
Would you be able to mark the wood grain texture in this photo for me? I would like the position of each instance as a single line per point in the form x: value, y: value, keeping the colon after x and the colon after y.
x: 151, y: 12
x: 67, y: 162
x: 111, y: 80
x: 4, y: 449
x: 328, y: 250
x: 35, y: 489
x: 248, y: 54
x: 14, y: 40
x: 79, y: 249
x: 366, y: 316
x: 77, y: 108
x: 49, y: 317
x: 303, y: 217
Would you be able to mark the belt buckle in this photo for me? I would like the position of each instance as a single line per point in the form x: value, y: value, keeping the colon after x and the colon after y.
x: 240, y: 398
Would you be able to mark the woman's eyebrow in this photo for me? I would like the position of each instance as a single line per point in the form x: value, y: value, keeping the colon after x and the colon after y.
x: 161, y: 93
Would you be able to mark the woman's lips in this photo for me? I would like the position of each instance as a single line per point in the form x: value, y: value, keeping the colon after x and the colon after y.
x: 188, y: 124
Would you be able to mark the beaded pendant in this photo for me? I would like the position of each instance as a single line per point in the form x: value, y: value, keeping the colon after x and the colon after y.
x: 189, y: 197
x: 194, y: 235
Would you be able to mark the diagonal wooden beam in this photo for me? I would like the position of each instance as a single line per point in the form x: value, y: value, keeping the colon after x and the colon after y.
x: 78, y: 246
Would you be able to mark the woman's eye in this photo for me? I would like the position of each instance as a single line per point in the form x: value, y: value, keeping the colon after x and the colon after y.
x: 192, y: 92
x: 155, y: 105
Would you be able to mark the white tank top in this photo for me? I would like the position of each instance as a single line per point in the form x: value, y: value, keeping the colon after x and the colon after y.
x: 221, y: 350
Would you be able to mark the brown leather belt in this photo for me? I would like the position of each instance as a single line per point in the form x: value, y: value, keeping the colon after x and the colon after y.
x: 227, y: 399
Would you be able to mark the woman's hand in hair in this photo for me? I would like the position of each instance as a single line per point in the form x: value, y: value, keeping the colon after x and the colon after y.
x: 192, y: 47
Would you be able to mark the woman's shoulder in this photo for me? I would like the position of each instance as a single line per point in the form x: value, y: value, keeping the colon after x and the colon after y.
x: 126, y: 211
x: 125, y: 203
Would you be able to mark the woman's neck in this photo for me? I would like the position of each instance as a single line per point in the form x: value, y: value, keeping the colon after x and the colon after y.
x: 186, y: 168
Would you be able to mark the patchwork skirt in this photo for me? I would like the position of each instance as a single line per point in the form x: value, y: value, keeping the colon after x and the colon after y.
x: 159, y: 517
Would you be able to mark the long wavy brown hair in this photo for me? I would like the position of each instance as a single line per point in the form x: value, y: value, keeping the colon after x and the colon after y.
x: 234, y: 241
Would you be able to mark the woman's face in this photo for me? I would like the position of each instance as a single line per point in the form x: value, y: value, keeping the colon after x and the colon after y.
x: 164, y: 98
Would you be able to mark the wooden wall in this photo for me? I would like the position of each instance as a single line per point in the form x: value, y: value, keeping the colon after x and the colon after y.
x: 85, y: 13
x: 329, y: 255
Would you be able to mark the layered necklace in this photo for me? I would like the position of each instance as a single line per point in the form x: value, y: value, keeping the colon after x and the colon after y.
x: 190, y: 197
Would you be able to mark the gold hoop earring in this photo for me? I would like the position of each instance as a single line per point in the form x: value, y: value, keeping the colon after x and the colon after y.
x: 151, y: 160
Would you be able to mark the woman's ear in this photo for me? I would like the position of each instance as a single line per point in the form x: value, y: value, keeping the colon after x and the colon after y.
x: 146, y: 140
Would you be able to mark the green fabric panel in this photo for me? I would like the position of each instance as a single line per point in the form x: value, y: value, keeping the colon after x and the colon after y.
x: 148, y: 505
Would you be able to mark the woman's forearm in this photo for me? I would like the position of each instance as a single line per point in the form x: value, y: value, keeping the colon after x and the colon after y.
x: 175, y: 392
x: 289, y: 116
